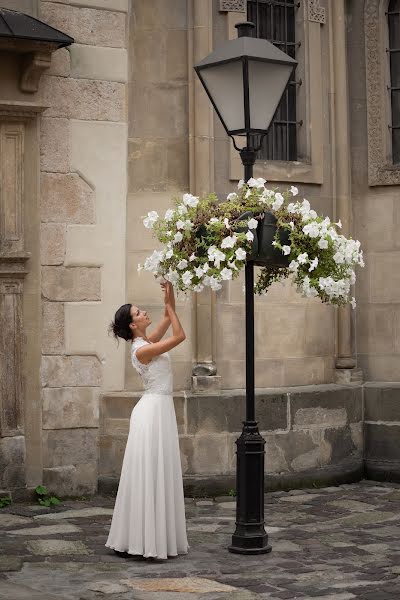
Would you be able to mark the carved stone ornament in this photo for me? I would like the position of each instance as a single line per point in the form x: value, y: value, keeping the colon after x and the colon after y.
x: 233, y: 5
x: 34, y: 65
x: 380, y: 170
x: 316, y: 13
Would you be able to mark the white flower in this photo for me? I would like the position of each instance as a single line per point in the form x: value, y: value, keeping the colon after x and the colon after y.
x: 226, y: 274
x: 302, y: 258
x: 294, y: 190
x: 180, y: 224
x: 291, y: 225
x: 182, y: 210
x: 188, y: 225
x: 277, y: 202
x: 232, y: 196
x: 213, y: 220
x: 252, y: 224
x: 212, y: 282
x: 240, y: 254
x: 192, y: 257
x: 249, y: 236
x: 292, y: 208
x: 232, y: 265
x: 169, y: 253
x: 172, y: 276
x: 229, y: 241
x: 286, y: 250
x: 352, y: 278
x: 323, y: 243
x: 311, y: 229
x: 339, y: 224
x: 152, y: 262
x: 169, y: 214
x: 206, y: 267
x: 257, y: 183
x: 199, y: 272
x: 187, y: 277
x: 294, y: 265
x: 353, y: 302
x: 178, y: 237
x: 190, y: 200
x: 151, y: 218
x: 313, y: 264
x: 216, y: 256
x: 247, y: 194
x: 338, y: 258
x: 199, y: 287
x: 168, y: 233
x: 226, y: 223
x: 182, y: 264
x: 240, y: 184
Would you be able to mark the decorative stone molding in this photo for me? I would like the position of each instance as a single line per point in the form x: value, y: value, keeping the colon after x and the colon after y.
x: 316, y: 13
x: 232, y: 5
x: 381, y: 171
x: 32, y: 69
x: 20, y: 111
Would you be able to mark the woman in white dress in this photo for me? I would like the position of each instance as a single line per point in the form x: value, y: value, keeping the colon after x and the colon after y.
x: 149, y: 514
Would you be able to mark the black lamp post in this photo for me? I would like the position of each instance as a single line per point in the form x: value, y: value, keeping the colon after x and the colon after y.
x: 245, y: 79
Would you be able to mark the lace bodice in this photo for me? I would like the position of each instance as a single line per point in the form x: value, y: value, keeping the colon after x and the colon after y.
x: 157, y: 375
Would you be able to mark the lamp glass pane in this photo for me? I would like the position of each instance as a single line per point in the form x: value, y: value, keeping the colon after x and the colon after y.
x: 225, y: 86
x: 267, y: 82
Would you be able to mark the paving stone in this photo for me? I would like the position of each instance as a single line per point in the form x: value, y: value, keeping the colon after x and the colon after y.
x: 301, y: 498
x: 10, y: 563
x: 47, y: 530
x: 57, y: 547
x: 94, y: 511
x: 186, y: 584
x: 204, y: 503
x: 352, y: 505
x: 7, y: 520
x: 107, y: 587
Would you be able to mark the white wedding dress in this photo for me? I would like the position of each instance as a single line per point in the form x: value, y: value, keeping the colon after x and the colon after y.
x: 149, y: 514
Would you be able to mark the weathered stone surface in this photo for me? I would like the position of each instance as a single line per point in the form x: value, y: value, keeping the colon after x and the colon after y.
x: 46, y: 530
x: 52, y: 243
x: 84, y: 99
x: 185, y: 584
x: 60, y: 63
x: 7, y: 520
x: 59, y: 371
x: 84, y: 513
x: 10, y: 563
x: 69, y: 447
x: 54, y: 145
x: 114, y: 5
x: 66, y: 199
x: 382, y: 442
x: 12, y: 462
x: 329, y: 397
x: 382, y: 403
x: 306, y: 418
x: 107, y: 64
x: 53, y: 328
x: 57, y: 547
x: 86, y: 25
x: 70, y: 407
x: 204, y: 454
x: 71, y: 284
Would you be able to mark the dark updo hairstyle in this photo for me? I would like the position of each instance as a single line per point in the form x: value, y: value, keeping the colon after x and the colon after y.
x: 120, y: 326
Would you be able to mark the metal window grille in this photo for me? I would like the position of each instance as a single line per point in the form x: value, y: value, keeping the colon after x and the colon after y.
x: 275, y: 21
x: 393, y: 16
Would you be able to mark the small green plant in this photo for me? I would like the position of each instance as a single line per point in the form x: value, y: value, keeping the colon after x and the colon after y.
x: 232, y: 493
x: 44, y: 498
x: 5, y: 501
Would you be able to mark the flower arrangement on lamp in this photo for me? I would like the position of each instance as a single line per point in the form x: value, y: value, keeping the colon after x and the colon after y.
x: 207, y: 241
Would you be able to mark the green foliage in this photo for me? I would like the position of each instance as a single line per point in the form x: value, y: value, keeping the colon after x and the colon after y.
x: 44, y: 498
x: 5, y: 501
x: 232, y: 493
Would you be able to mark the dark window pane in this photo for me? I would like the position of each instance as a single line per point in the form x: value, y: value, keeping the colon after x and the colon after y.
x: 275, y: 22
x: 394, y: 58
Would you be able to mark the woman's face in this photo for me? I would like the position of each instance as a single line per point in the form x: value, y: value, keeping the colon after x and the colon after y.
x: 140, y: 318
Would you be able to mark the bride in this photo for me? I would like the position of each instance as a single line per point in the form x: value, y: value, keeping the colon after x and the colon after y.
x: 149, y: 514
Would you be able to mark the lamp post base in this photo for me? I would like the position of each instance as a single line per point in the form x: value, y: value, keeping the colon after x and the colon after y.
x: 241, y: 550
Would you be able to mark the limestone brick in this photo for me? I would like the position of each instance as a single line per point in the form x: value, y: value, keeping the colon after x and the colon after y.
x: 58, y: 371
x: 71, y: 480
x: 64, y: 447
x: 177, y: 164
x: 159, y: 14
x: 54, y: 145
x: 147, y: 165
x: 304, y: 371
x: 53, y: 328
x: 66, y: 199
x: 71, y: 283
x: 52, y: 243
x: 60, y: 63
x: 12, y: 462
x: 68, y: 408
x: 86, y: 25
x: 107, y: 64
x: 376, y: 328
x: 380, y: 367
x: 385, y: 277
x: 280, y: 336
x: 114, y: 5
x: 205, y: 454
x: 84, y: 99
x: 159, y: 107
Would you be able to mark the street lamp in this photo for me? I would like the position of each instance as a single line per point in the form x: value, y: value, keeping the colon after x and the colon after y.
x: 245, y: 79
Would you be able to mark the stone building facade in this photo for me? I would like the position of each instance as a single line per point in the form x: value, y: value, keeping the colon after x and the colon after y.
x: 116, y: 124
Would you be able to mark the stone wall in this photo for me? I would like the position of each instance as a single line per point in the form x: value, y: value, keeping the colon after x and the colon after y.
x: 313, y: 434
x: 82, y: 244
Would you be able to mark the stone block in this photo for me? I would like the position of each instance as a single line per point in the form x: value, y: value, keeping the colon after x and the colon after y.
x: 305, y: 450
x: 348, y: 376
x: 71, y: 284
x: 12, y: 462
x: 385, y: 277
x: 59, y: 371
x: 318, y: 417
x: 107, y: 64
x: 328, y: 398
x: 54, y: 146
x: 65, y: 408
x: 112, y: 450
x: 52, y: 243
x: 57, y: 548
x: 84, y: 99
x: 342, y: 444
x: 320, y: 331
x: 65, y: 447
x: 176, y: 55
x: 206, y: 384
x: 66, y: 199
x: 71, y: 480
x: 382, y: 403
x: 114, y: 5
x: 275, y: 459
x: 60, y: 63
x: 375, y: 327
x: 29, y: 7
x: 87, y: 25
x: 118, y: 405
x: 115, y: 427
x: 280, y: 336
x: 157, y: 14
x: 380, y: 367
x: 231, y: 345
x: 206, y: 454
x: 371, y: 223
x: 382, y: 442
x: 304, y: 371
x: 53, y: 328
x: 159, y: 107
x: 149, y: 66
x: 268, y: 373
x: 147, y: 165
x: 177, y: 164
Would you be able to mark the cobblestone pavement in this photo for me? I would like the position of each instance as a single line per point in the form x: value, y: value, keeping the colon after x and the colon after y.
x: 335, y: 543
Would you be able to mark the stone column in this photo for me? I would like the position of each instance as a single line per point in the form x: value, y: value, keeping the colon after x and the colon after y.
x: 345, y: 361
x: 201, y: 153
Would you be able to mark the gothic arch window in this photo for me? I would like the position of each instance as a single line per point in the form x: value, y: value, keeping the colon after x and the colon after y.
x: 275, y: 21
x: 393, y: 20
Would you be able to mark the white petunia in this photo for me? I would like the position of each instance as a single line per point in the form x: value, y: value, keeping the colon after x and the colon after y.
x: 226, y: 274
x: 252, y: 224
x: 240, y: 184
x: 339, y: 224
x: 240, y: 254
x: 169, y: 214
x: 250, y: 236
x: 182, y: 210
x: 313, y: 264
x: 152, y: 262
x: 187, y: 277
x: 178, y: 237
x: 247, y: 194
x: 302, y: 258
x: 215, y: 284
x: 216, y: 256
x: 311, y: 229
x: 294, y: 265
x: 192, y: 257
x: 199, y: 272
x: 232, y: 265
x: 323, y: 243
x: 213, y: 220
x: 232, y: 196
x: 188, y: 225
x: 257, y: 183
x: 190, y: 200
x: 180, y: 224
x: 294, y: 190
x: 151, y: 218
x: 277, y: 203
x: 182, y: 264
x: 169, y: 253
x: 172, y: 276
x: 229, y: 241
x: 226, y: 223
x: 353, y: 302
x: 291, y: 225
x: 199, y: 287
x: 286, y: 250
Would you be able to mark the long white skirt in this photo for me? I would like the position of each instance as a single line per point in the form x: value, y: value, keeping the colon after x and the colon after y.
x: 149, y: 514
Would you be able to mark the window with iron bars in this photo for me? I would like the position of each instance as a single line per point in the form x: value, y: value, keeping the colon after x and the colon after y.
x: 275, y: 21
x: 393, y: 17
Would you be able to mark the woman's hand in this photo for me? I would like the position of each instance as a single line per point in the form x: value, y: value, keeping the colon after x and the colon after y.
x: 168, y: 294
